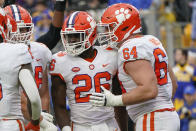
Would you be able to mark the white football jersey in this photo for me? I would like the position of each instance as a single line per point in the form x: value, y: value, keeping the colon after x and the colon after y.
x: 12, y: 56
x: 82, y: 78
x: 148, y: 48
x: 41, y: 58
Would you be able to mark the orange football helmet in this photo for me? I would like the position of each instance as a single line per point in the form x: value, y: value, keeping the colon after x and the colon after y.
x: 119, y: 21
x: 24, y: 23
x: 81, y: 26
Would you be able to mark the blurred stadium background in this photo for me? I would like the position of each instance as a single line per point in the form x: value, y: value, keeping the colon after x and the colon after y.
x: 172, y: 21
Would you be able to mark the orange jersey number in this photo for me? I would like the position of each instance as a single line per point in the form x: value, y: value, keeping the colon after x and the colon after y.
x: 38, y: 76
x: 160, y: 65
x: 88, y: 85
x: 52, y: 64
x: 127, y: 53
x: 1, y: 92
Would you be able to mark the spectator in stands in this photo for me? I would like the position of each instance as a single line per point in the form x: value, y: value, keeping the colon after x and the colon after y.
x: 185, y: 74
x: 187, y: 112
x: 40, y: 6
x: 29, y: 4
x: 42, y: 23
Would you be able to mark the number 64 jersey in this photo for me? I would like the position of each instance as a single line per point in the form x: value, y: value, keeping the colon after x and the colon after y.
x: 147, y: 48
x: 82, y: 79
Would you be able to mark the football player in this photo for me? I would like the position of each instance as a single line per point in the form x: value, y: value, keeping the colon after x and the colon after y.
x: 15, y: 70
x: 79, y: 71
x: 41, y: 57
x: 51, y: 38
x: 146, y: 79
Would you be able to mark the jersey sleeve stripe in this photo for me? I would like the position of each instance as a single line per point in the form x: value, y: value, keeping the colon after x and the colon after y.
x: 152, y: 121
x: 145, y: 123
x: 20, y: 125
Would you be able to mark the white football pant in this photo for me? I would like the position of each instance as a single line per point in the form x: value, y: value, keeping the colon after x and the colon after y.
x: 159, y: 121
x: 11, y: 125
x: 108, y: 125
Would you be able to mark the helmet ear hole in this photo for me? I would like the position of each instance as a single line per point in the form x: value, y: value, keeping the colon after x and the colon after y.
x: 130, y: 9
x: 125, y: 28
x: 93, y: 35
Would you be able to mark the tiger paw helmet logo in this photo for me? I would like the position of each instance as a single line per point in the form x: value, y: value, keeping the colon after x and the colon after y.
x: 122, y: 15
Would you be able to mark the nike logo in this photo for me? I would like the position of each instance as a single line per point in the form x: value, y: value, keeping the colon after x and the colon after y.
x: 38, y: 59
x: 104, y: 65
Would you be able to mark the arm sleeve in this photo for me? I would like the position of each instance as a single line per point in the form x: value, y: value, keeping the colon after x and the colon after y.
x: 51, y: 38
x: 28, y: 83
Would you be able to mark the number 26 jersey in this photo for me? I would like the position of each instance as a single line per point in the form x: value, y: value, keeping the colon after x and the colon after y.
x: 146, y: 48
x: 82, y: 79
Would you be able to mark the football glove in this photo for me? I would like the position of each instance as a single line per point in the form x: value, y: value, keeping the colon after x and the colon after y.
x: 106, y: 98
x: 47, y: 126
x: 66, y: 128
x: 47, y: 116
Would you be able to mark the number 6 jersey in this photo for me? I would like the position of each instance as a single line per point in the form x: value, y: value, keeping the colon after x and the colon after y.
x: 82, y: 78
x: 147, y: 48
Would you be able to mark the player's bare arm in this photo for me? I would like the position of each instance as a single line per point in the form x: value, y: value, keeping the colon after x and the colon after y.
x: 58, y: 17
x: 174, y: 81
x: 121, y: 115
x: 44, y: 92
x: 143, y: 75
x: 59, y: 101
